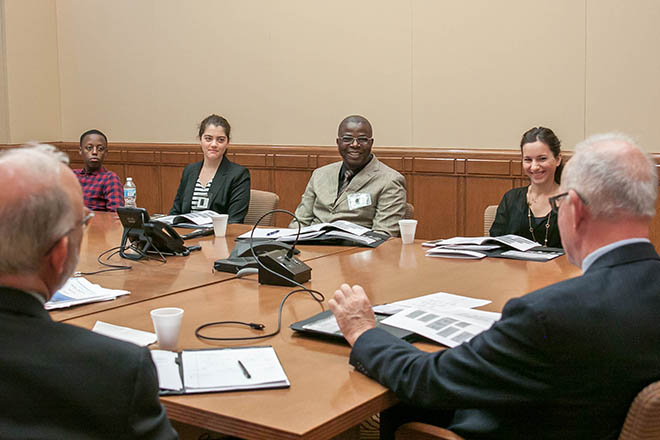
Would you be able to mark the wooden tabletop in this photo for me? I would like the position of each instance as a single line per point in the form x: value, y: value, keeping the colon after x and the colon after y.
x: 149, y: 278
x: 327, y: 396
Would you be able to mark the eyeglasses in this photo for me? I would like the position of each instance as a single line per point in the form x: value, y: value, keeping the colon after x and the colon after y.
x: 362, y: 140
x: 84, y: 223
x: 554, y: 201
x: 99, y: 148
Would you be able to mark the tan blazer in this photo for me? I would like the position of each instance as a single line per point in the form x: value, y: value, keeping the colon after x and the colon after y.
x: 386, y: 187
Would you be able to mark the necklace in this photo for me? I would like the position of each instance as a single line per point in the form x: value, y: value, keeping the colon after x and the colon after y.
x: 531, y: 229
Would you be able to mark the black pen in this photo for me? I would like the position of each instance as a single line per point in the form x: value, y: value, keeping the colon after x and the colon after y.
x: 245, y: 371
x: 268, y: 234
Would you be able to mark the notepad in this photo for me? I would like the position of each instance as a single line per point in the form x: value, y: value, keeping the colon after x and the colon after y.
x: 217, y: 370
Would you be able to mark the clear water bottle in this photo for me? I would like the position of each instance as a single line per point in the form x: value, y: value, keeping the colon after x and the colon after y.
x: 130, y: 193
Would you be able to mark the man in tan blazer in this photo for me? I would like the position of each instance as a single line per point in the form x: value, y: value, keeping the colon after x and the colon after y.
x: 359, y: 189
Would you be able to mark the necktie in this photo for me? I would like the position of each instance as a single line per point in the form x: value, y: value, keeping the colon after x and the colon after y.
x: 347, y: 178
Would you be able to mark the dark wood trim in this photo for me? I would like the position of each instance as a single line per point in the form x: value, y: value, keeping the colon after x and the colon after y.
x: 450, y: 188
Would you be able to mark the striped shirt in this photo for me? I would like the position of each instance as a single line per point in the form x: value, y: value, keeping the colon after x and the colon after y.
x: 200, y: 197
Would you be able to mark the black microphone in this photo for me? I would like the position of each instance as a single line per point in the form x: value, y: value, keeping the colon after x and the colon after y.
x: 280, y: 267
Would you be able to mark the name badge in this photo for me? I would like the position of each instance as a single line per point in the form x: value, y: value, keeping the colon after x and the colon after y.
x: 358, y: 200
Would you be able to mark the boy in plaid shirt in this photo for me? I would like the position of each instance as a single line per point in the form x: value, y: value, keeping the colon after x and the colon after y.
x: 102, y: 189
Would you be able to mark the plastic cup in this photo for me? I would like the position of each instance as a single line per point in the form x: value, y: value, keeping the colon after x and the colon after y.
x: 220, y: 224
x: 167, y: 323
x: 407, y: 228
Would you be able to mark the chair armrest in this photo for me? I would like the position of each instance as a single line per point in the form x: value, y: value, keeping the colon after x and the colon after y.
x: 423, y: 431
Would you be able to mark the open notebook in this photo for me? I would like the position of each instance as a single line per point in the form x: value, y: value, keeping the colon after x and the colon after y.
x: 218, y: 369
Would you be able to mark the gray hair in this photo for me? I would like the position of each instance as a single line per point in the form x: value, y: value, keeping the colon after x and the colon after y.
x: 614, y: 176
x: 33, y: 221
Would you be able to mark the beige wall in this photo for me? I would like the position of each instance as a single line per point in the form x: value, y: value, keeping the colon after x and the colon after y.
x: 32, y: 70
x: 623, y: 68
x: 4, y: 107
x: 425, y: 72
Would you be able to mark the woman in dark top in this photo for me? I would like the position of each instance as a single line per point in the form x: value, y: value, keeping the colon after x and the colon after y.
x: 526, y: 211
x: 215, y: 183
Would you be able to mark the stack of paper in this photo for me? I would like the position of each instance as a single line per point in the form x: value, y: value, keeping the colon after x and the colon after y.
x: 81, y: 291
x: 442, y: 317
x: 506, y: 246
x: 137, y: 337
x: 322, y: 232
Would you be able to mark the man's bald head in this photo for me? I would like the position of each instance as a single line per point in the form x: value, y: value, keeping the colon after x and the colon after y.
x: 40, y: 200
x: 355, y: 119
x: 614, y: 176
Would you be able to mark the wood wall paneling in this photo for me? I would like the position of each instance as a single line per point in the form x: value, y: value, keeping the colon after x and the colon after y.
x: 289, y: 185
x: 175, y: 158
x: 654, y: 231
x: 261, y: 179
x: 490, y: 166
x: 479, y: 193
x: 435, y: 165
x: 435, y: 205
x: 147, y: 181
x: 323, y: 160
x: 449, y: 188
x: 292, y: 161
x: 249, y: 160
x: 170, y: 177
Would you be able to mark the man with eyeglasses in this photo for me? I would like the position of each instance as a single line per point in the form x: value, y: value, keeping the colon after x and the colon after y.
x: 565, y: 361
x: 58, y: 381
x: 359, y: 189
x: 102, y: 189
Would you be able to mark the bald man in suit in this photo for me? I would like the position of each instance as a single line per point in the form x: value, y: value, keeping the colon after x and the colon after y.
x: 59, y: 381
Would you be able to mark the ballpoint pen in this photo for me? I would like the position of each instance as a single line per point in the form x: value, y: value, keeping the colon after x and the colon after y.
x: 272, y: 232
x: 245, y: 371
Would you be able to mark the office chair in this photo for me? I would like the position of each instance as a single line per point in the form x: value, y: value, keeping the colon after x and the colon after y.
x: 260, y: 203
x: 489, y: 218
x: 642, y: 421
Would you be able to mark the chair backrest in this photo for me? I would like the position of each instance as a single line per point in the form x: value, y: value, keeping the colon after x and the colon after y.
x: 260, y: 203
x: 489, y: 218
x: 410, y: 211
x: 643, y: 419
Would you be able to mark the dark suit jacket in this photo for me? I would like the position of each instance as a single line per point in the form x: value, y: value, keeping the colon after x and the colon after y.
x: 229, y: 192
x: 564, y: 362
x: 58, y: 381
x: 512, y: 218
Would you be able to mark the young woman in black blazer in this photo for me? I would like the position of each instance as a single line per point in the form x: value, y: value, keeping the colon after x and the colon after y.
x: 215, y: 183
x: 526, y: 211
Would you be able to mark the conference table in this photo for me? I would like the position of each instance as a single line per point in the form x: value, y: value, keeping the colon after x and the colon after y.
x: 148, y: 279
x: 327, y: 396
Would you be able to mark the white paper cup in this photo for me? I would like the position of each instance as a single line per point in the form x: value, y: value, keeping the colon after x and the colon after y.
x: 167, y: 323
x: 220, y: 224
x: 407, y: 228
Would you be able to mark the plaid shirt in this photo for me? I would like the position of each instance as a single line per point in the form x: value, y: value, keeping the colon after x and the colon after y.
x: 102, y: 189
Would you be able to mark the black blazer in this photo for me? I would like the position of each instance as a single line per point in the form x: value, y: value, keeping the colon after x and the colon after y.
x: 229, y: 192
x: 512, y: 218
x: 58, y: 381
x: 564, y: 362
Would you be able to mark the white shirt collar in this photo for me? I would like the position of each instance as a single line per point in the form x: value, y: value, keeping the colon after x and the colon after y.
x: 589, y: 259
x: 39, y: 298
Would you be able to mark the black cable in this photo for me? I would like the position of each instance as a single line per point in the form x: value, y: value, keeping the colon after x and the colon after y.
x: 111, y: 267
x: 257, y: 326
x: 315, y: 294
